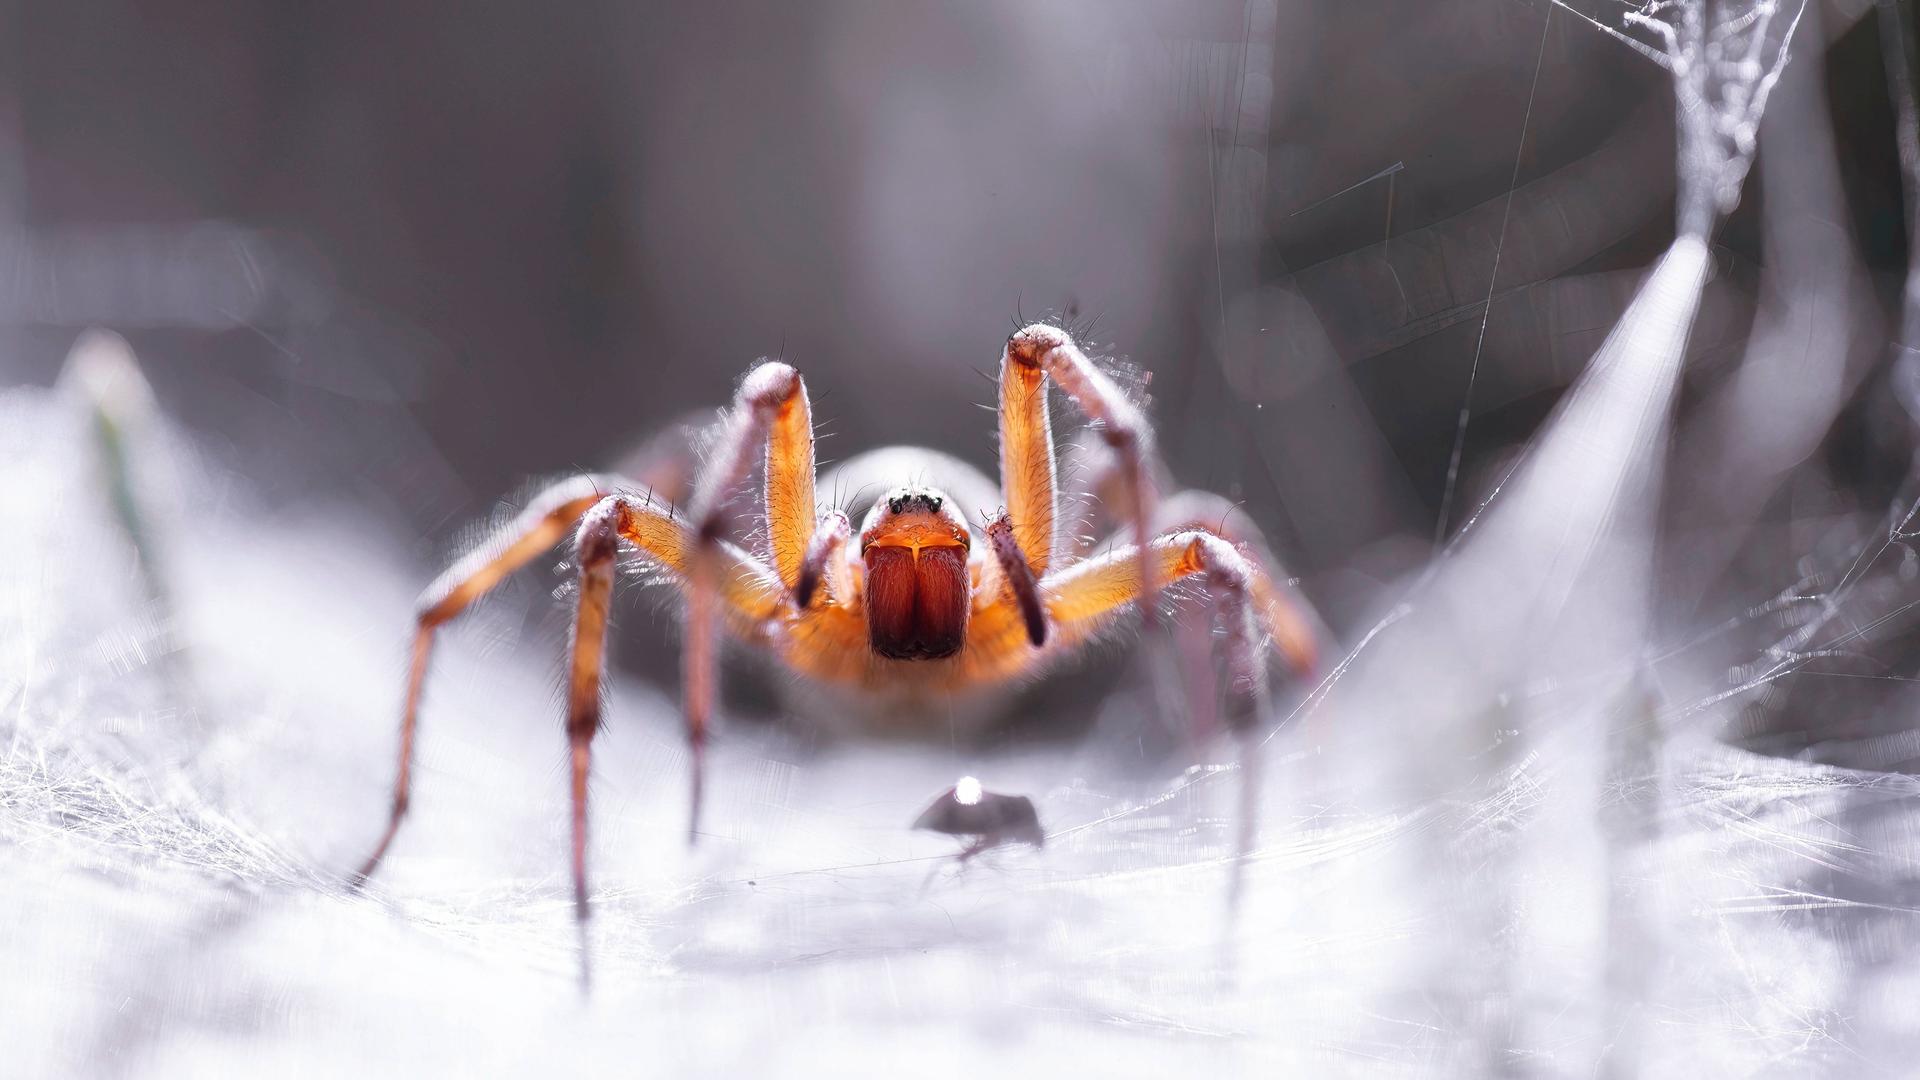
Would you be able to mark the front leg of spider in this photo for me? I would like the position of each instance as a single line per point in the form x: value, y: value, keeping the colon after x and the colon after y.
x: 988, y: 818
x: 770, y: 418
x: 1028, y: 472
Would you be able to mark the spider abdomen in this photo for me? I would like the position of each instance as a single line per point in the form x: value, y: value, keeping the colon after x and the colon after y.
x: 916, y: 601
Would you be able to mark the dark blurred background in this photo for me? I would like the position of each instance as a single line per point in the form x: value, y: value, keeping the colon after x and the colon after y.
x: 403, y: 257
x: 388, y: 264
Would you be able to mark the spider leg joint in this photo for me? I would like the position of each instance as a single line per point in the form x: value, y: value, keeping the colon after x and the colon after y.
x: 769, y: 384
x: 598, y: 538
x: 1030, y: 344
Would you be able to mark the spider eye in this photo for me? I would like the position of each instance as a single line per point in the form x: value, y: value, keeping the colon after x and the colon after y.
x: 933, y: 504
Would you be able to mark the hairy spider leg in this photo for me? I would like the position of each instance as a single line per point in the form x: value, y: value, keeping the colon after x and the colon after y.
x: 1016, y: 578
x: 596, y: 548
x: 1081, y: 600
x: 770, y: 410
x: 550, y: 516
x: 1027, y: 470
x: 1027, y: 466
x: 1295, y: 629
x: 1248, y: 621
x: 826, y: 562
x: 750, y: 593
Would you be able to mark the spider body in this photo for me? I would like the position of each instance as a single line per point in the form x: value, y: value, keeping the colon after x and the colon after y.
x: 921, y: 602
x: 915, y: 610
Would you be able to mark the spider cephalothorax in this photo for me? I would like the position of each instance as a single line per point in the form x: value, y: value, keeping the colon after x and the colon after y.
x: 919, y: 602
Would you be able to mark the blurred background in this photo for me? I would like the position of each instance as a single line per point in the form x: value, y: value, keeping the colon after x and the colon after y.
x: 384, y: 265
x: 441, y: 255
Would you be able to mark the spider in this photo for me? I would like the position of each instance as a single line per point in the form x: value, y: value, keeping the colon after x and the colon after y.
x: 917, y: 603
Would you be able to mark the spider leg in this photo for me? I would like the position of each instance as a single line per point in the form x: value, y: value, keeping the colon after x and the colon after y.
x: 597, y: 549
x: 546, y: 519
x: 827, y: 561
x: 1292, y: 623
x: 1028, y: 477
x: 749, y: 593
x: 1081, y: 600
x: 1092, y: 493
x: 748, y: 590
x: 1027, y: 467
x: 1082, y: 597
x: 770, y: 407
x: 1016, y: 577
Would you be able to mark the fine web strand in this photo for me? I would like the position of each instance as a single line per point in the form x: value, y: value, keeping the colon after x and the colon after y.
x: 1480, y: 341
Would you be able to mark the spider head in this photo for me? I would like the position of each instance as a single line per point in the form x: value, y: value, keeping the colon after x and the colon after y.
x: 914, y: 546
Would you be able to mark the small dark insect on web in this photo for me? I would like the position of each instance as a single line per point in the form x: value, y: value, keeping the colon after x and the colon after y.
x: 990, y: 818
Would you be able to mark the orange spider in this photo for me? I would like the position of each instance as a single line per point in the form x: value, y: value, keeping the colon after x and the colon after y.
x: 918, y: 603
